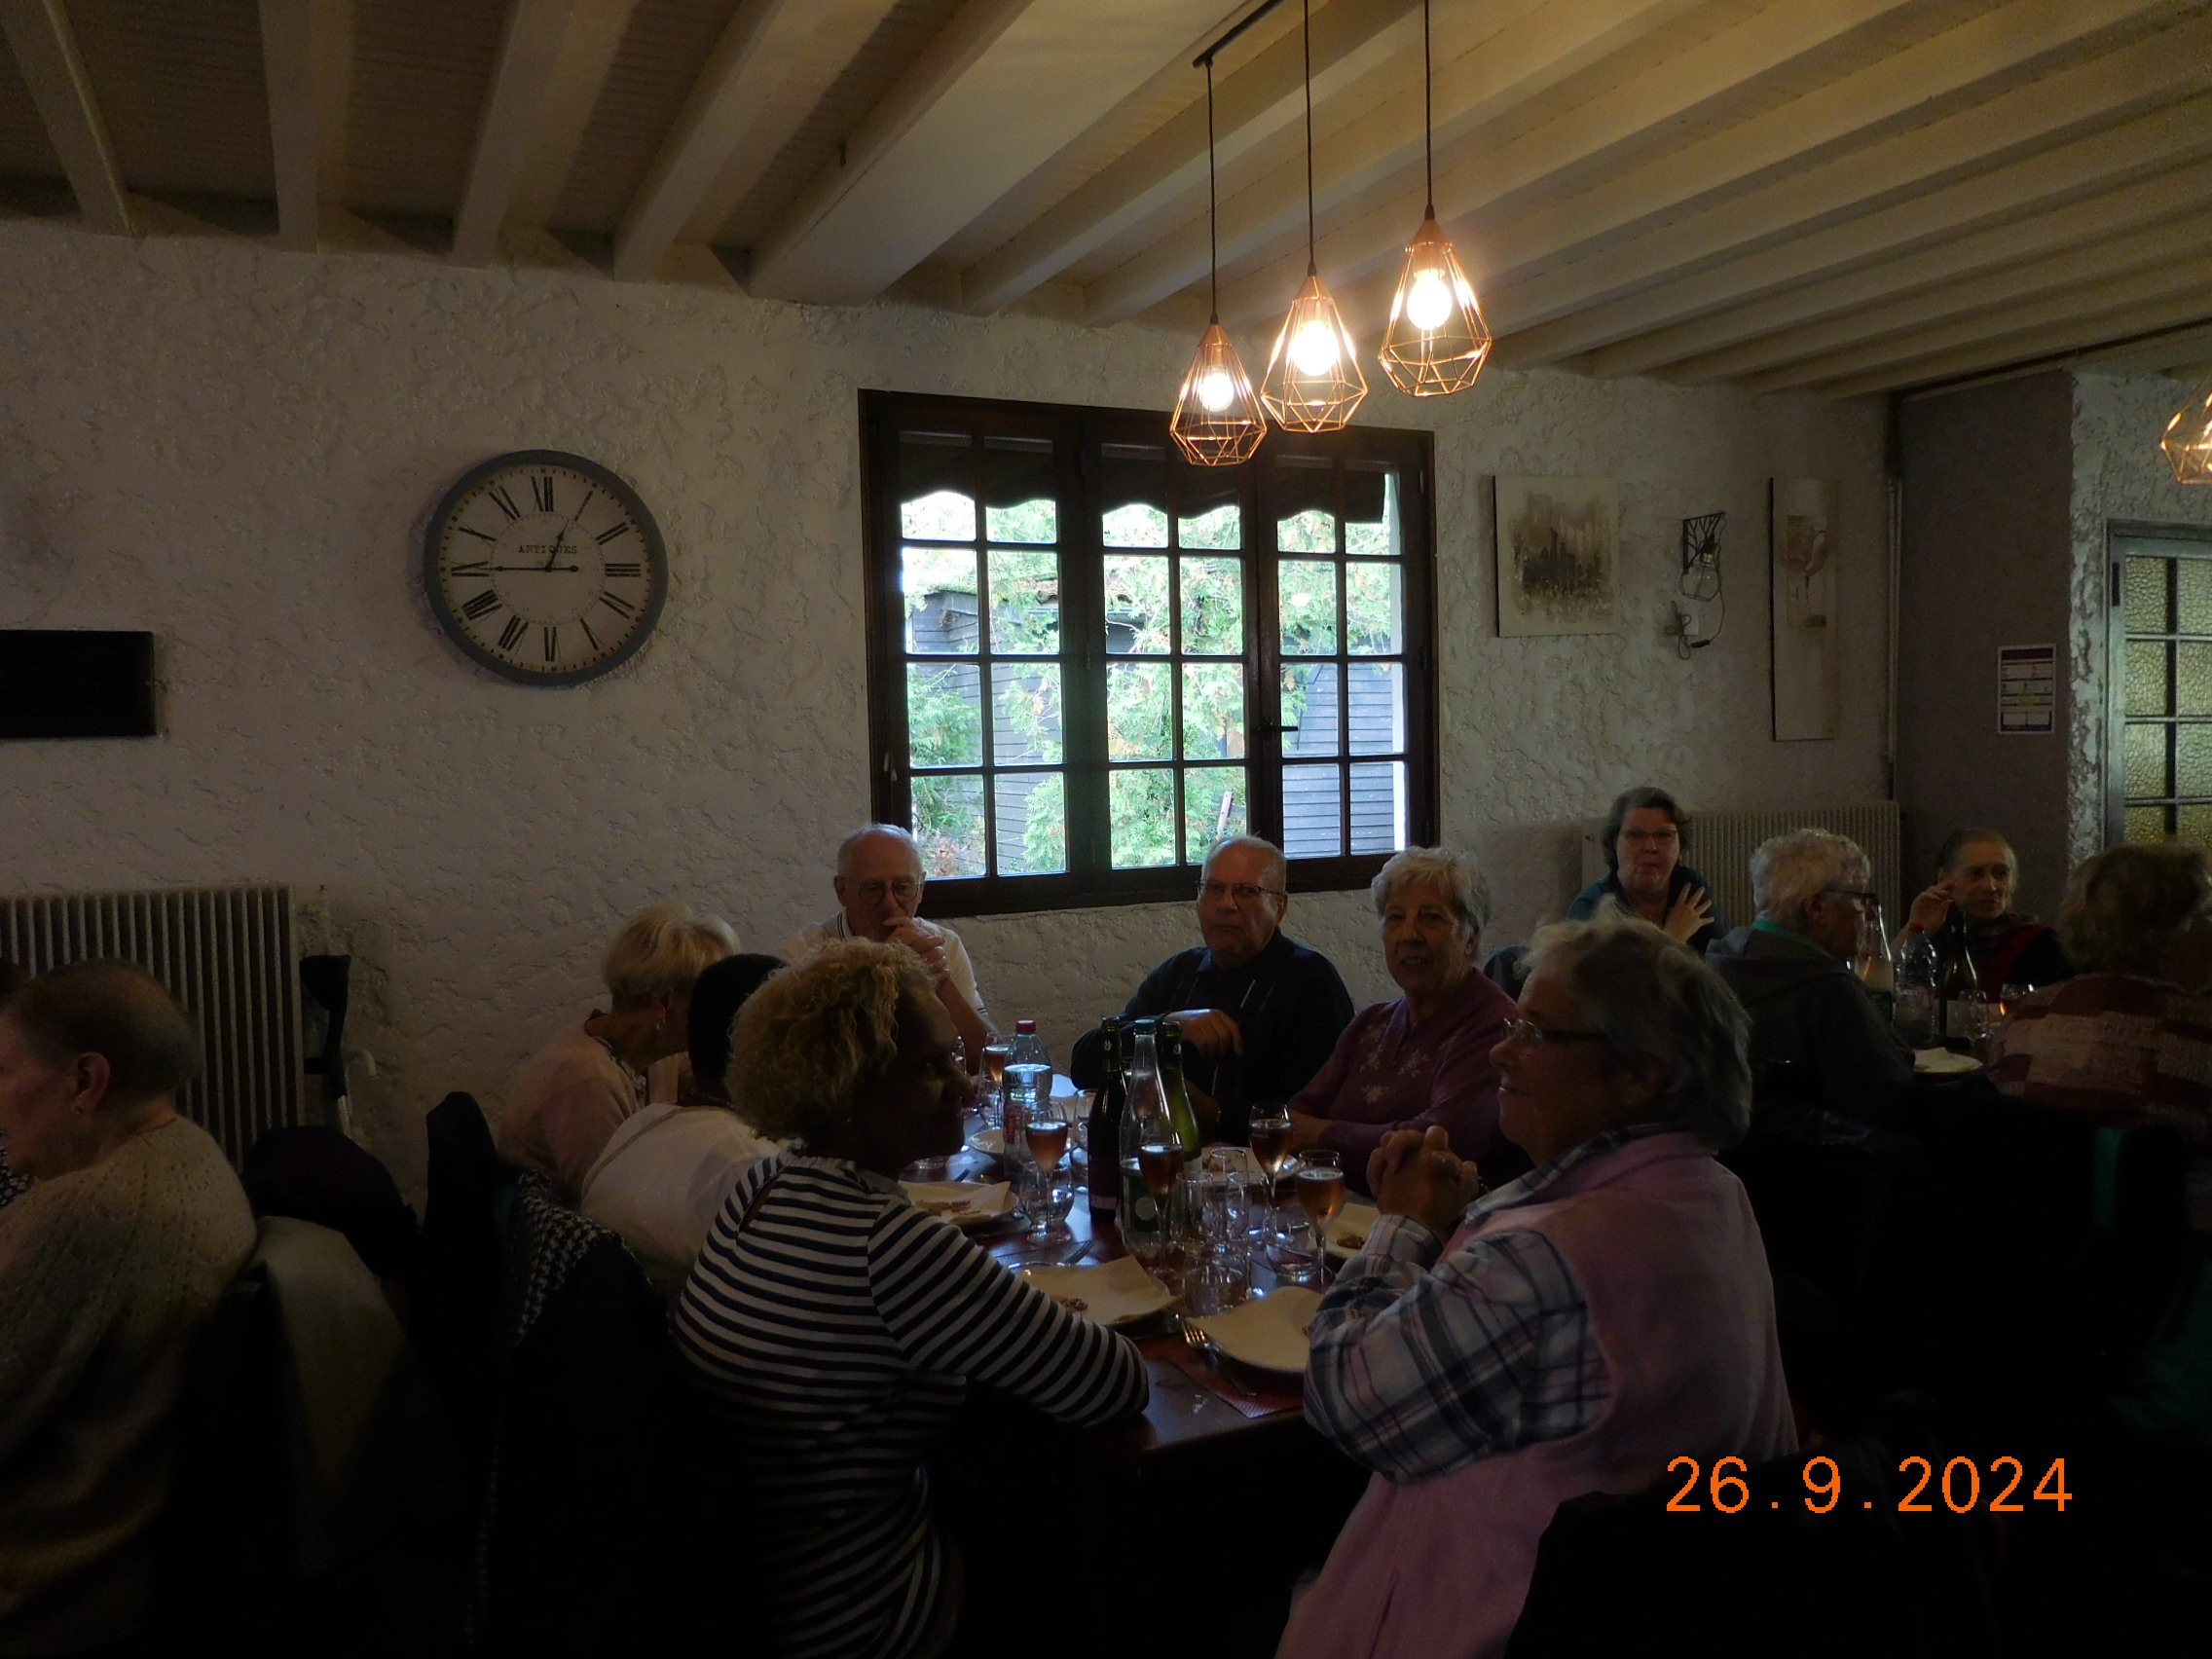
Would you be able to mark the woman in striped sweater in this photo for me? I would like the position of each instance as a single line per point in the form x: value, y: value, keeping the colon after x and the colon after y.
x: 836, y: 1326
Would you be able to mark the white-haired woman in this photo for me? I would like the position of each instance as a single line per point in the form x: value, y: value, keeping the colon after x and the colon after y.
x: 1573, y: 1331
x: 2129, y: 1041
x: 569, y: 1098
x: 1424, y: 1060
x: 836, y: 1325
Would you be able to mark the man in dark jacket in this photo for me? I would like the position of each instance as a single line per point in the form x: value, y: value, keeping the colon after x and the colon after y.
x: 1819, y: 1043
x: 1259, y: 1012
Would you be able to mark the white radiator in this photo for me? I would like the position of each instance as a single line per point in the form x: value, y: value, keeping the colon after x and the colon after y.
x: 1721, y: 844
x: 226, y: 953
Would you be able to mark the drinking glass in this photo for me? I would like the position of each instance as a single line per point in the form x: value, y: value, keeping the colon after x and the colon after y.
x: 1050, y: 1181
x: 1320, y: 1195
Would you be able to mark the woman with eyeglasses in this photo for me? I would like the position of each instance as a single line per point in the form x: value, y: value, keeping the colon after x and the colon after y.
x: 1572, y: 1331
x: 1424, y: 1060
x: 1643, y: 838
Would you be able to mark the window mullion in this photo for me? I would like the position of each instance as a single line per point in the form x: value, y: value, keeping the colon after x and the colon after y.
x: 1083, y: 642
x: 1263, y: 646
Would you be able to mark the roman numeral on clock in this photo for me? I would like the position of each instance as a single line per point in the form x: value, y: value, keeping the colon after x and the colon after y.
x: 585, y: 624
x: 511, y: 635
x: 464, y: 530
x: 482, y: 605
x: 503, y: 502
x: 618, y: 605
x: 541, y: 492
x: 471, y: 568
x: 613, y: 533
x: 625, y: 568
x: 552, y: 642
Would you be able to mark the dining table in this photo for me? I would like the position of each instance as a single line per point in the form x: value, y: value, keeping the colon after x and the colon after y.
x: 1201, y: 1513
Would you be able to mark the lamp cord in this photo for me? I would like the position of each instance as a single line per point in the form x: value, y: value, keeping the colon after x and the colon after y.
x: 1305, y: 29
x: 1213, y: 211
x: 1428, y: 115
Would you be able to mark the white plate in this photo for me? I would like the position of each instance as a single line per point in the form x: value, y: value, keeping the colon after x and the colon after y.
x: 1348, y: 1231
x: 1941, y: 1062
x: 990, y: 1142
x: 1270, y: 1334
x: 963, y: 1203
x: 1110, y: 1293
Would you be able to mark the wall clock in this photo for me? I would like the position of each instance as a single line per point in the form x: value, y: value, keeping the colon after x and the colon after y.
x: 545, y: 568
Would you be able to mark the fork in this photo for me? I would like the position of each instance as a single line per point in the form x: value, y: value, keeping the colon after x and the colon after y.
x: 1199, y: 1343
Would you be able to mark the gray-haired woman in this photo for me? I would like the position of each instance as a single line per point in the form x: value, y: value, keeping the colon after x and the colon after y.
x: 1570, y: 1332
x: 1423, y: 1060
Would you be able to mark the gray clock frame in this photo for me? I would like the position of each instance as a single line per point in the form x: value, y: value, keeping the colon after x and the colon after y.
x: 656, y: 555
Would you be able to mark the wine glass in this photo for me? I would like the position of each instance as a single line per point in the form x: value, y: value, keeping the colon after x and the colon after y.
x: 1320, y: 1195
x: 1160, y: 1162
x: 1051, y: 1193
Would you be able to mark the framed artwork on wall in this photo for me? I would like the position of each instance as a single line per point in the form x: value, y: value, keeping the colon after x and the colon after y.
x: 1807, y: 652
x: 1558, y: 556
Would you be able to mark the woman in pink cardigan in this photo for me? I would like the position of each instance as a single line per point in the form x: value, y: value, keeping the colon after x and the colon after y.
x: 1491, y: 1356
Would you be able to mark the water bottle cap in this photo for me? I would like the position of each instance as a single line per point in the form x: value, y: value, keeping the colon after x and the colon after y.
x: 1026, y: 1028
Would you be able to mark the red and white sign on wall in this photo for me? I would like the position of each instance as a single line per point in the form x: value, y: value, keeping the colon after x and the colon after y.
x: 2027, y: 688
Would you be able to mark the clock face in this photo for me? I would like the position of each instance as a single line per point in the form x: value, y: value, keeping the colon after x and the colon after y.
x: 545, y: 568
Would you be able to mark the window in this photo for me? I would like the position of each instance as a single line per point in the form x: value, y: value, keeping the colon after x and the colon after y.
x: 2159, y: 775
x: 1090, y: 660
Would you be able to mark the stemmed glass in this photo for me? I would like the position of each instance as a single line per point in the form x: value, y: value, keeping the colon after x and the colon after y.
x: 1053, y: 1193
x: 1320, y: 1195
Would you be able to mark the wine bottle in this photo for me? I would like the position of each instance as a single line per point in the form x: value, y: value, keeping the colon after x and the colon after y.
x: 1103, y: 1132
x: 1960, y: 989
x: 1144, y: 1122
x: 1179, y: 1109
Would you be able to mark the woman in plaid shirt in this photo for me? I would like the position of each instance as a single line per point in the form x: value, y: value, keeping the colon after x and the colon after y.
x: 1490, y: 1357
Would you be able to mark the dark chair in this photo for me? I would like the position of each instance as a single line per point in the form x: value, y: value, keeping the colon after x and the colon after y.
x: 1772, y: 1579
x: 1507, y: 968
x: 460, y: 1269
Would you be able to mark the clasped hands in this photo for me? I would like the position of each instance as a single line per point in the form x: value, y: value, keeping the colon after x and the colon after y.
x: 926, y: 940
x: 1419, y: 1175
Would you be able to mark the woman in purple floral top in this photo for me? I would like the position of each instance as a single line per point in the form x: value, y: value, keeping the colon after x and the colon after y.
x: 1424, y: 1059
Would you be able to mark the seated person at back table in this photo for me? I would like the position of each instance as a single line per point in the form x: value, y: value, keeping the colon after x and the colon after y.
x: 2129, y: 1039
x: 1645, y: 835
x: 879, y: 887
x: 666, y: 1170
x: 108, y: 1267
x: 1792, y: 970
x: 1975, y: 873
x: 1425, y: 1059
x: 566, y: 1099
x: 1260, y: 1010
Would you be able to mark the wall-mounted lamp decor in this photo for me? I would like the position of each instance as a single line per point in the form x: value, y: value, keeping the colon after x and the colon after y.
x: 2187, y: 442
x: 1699, y: 584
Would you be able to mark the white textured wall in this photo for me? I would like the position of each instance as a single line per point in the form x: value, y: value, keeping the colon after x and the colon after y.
x: 238, y: 448
x: 2120, y: 473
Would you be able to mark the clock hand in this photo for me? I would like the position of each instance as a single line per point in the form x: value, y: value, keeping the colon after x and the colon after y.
x: 554, y: 552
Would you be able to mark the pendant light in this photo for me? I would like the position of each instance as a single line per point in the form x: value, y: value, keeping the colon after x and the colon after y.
x: 2187, y: 442
x: 1312, y: 383
x: 1437, y: 342
x: 1217, y: 420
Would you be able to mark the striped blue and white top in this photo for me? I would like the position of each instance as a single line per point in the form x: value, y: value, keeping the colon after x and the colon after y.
x: 837, y: 1334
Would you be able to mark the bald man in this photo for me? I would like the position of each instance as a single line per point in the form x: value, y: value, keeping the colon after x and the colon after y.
x: 879, y: 887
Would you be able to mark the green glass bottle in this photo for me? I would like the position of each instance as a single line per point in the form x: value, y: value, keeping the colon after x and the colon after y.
x: 1179, y: 1110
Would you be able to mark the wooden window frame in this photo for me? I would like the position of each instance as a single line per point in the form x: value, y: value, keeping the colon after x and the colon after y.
x: 1080, y: 434
x: 2119, y: 534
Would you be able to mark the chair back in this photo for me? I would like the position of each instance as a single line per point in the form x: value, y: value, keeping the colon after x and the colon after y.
x: 459, y: 1285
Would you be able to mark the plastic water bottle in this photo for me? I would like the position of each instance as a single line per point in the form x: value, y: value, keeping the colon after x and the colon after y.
x: 1918, y: 1007
x: 1028, y: 1088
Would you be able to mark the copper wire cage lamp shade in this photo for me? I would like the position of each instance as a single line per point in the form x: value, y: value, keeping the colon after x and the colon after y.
x: 1217, y: 420
x: 2188, y: 441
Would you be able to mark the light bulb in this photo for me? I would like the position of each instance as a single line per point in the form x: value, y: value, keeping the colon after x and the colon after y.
x: 1428, y: 302
x: 1313, y: 348
x: 1216, y: 391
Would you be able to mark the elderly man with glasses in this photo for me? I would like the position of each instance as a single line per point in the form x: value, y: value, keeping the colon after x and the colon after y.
x: 1259, y: 1012
x: 879, y: 893
x: 1821, y: 1049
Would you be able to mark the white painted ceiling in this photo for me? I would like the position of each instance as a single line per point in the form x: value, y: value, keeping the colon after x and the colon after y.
x: 1852, y: 196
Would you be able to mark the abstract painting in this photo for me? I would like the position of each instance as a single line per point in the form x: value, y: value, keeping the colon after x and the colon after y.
x: 1807, y: 654
x: 1558, y: 556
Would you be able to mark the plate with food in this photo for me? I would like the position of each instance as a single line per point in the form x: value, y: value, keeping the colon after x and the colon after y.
x: 1942, y: 1062
x: 1106, y: 1293
x: 1347, y: 1233
x: 1272, y: 1332
x: 963, y: 1203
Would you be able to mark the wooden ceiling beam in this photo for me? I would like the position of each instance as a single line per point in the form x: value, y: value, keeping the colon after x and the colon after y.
x: 2184, y: 351
x: 307, y: 49
x: 46, y: 53
x: 2066, y: 272
x: 739, y: 73
x: 1695, y: 352
x: 1606, y: 298
x: 532, y: 44
x: 589, y: 43
x: 2054, y: 347
x: 1476, y: 82
x: 2179, y: 290
x: 1005, y: 85
x: 1259, y: 99
x: 1476, y: 176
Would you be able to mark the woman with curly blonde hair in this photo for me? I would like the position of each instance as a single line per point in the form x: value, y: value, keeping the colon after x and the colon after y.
x: 569, y: 1098
x: 835, y: 1326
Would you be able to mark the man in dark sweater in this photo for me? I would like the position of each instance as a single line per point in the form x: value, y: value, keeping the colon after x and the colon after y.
x: 1259, y: 1012
x: 1821, y: 1049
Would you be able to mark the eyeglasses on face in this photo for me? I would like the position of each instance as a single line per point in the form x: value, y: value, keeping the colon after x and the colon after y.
x: 1856, y: 894
x: 1538, y: 1037
x: 1650, y: 837
x: 1244, y: 892
x: 904, y: 890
